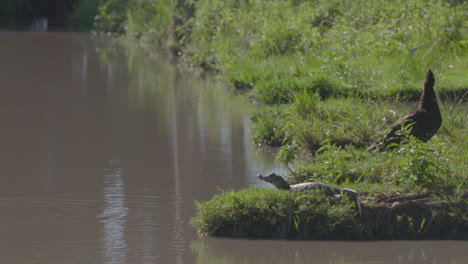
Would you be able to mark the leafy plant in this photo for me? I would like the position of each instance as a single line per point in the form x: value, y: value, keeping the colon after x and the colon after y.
x: 422, y: 166
x: 111, y: 16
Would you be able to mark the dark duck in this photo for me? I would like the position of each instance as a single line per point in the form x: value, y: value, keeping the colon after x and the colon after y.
x: 422, y: 124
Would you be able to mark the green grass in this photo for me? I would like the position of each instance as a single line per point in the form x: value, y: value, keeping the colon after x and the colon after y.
x: 273, y: 213
x: 381, y: 53
x: 377, y: 50
x: 276, y: 213
x: 314, y: 122
x: 414, y: 167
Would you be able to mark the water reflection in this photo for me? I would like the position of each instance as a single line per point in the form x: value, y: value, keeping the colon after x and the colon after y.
x: 40, y: 24
x: 114, y: 215
x: 178, y: 238
x: 223, y: 251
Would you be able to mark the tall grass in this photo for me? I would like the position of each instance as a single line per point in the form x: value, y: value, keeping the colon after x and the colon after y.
x: 313, y: 121
x: 379, y: 48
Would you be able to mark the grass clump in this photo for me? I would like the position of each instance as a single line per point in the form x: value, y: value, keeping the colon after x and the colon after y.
x: 312, y: 122
x: 273, y: 213
x: 415, y: 168
x: 268, y: 127
x: 276, y: 214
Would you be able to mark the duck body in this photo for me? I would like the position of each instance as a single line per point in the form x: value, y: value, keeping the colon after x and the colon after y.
x: 422, y: 124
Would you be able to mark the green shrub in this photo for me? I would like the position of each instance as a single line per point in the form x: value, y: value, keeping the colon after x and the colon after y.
x: 424, y: 166
x: 268, y: 127
x: 111, y: 16
x: 84, y: 14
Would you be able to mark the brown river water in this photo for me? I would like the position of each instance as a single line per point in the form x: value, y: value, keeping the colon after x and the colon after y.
x: 104, y: 152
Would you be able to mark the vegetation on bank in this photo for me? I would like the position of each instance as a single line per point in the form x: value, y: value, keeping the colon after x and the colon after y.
x: 338, y: 48
x: 416, y: 168
x: 274, y: 213
x: 377, y: 50
x: 327, y: 78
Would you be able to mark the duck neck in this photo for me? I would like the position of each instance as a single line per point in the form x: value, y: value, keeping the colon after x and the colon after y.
x: 428, y: 100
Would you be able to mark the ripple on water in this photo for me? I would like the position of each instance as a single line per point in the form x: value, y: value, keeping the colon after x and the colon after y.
x: 39, y: 230
x: 46, y: 210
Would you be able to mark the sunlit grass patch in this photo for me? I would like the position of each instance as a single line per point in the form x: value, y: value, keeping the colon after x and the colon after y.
x: 312, y: 122
x: 284, y: 46
x: 276, y: 213
x: 414, y: 167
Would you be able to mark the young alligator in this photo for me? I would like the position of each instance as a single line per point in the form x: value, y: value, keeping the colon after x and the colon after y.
x: 281, y: 183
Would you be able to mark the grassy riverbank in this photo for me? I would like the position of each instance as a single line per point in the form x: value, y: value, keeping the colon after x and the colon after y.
x: 436, y: 171
x: 338, y: 48
x: 273, y: 213
x: 326, y: 79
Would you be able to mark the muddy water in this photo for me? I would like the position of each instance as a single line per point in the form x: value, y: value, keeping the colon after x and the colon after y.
x: 103, y: 154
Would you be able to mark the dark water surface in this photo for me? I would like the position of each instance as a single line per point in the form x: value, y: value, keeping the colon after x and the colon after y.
x: 104, y: 153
